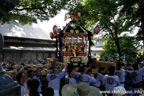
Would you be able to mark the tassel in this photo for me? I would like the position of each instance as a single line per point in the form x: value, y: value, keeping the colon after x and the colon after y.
x: 78, y: 41
x: 72, y: 40
x: 84, y: 40
x: 66, y: 39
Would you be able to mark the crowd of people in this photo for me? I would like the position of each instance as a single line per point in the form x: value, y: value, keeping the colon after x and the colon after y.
x: 120, y: 80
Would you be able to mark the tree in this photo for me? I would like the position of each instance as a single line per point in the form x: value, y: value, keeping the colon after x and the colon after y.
x: 27, y: 11
x: 106, y: 14
x: 136, y: 8
x: 128, y: 47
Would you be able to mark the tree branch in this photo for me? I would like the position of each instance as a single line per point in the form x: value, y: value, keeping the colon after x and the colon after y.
x: 40, y: 8
x: 111, y: 33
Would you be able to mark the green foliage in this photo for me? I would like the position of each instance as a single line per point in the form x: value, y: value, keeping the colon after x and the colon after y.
x: 29, y: 10
x: 106, y: 14
x: 128, y: 46
x: 136, y: 9
x: 109, y: 49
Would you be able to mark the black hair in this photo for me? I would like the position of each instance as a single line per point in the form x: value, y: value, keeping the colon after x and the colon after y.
x: 18, y: 77
x: 118, y: 65
x: 101, y: 69
x: 70, y: 68
x: 111, y: 69
x: 29, y: 72
x: 89, y: 70
x: 48, y: 91
x: 81, y: 69
x: 135, y: 66
x: 33, y: 84
x: 22, y: 64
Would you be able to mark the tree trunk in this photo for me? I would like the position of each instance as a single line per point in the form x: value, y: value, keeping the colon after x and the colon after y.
x: 117, y: 42
x: 118, y: 46
x: 118, y: 49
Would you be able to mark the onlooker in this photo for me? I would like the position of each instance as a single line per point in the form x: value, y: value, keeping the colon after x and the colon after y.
x: 21, y: 79
x: 21, y: 69
x: 30, y: 74
x: 38, y: 76
x: 32, y: 86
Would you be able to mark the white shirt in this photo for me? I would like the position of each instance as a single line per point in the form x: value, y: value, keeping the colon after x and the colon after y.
x: 23, y: 91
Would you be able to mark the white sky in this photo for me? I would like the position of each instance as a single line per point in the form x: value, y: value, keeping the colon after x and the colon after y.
x: 41, y: 30
x: 58, y: 20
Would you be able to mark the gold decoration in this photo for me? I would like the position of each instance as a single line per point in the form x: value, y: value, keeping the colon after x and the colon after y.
x: 70, y: 15
x: 75, y: 60
x: 77, y: 31
x: 71, y: 31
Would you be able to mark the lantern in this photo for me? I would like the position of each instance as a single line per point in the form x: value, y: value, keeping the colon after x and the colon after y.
x: 78, y: 14
x: 51, y: 35
x: 55, y: 29
x: 96, y: 30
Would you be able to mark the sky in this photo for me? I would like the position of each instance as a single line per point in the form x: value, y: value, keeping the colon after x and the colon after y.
x: 57, y: 20
x: 41, y: 30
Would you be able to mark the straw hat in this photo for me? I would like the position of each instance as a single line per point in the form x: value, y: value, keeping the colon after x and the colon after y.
x: 82, y: 89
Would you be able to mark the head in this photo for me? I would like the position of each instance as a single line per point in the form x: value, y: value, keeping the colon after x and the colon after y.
x: 89, y: 72
x: 21, y: 77
x: 56, y: 70
x: 32, y: 86
x: 38, y: 72
x: 21, y: 69
x: 71, y: 71
x: 135, y: 66
x: 111, y: 70
x: 118, y: 65
x: 30, y: 73
x: 101, y: 70
x: 82, y: 69
x: 48, y: 91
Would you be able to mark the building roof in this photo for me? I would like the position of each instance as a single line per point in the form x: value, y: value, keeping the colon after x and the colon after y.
x: 29, y: 48
x: 14, y: 29
x: 28, y: 42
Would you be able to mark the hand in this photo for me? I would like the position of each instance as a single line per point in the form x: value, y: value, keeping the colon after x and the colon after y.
x: 92, y: 75
x: 65, y: 65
